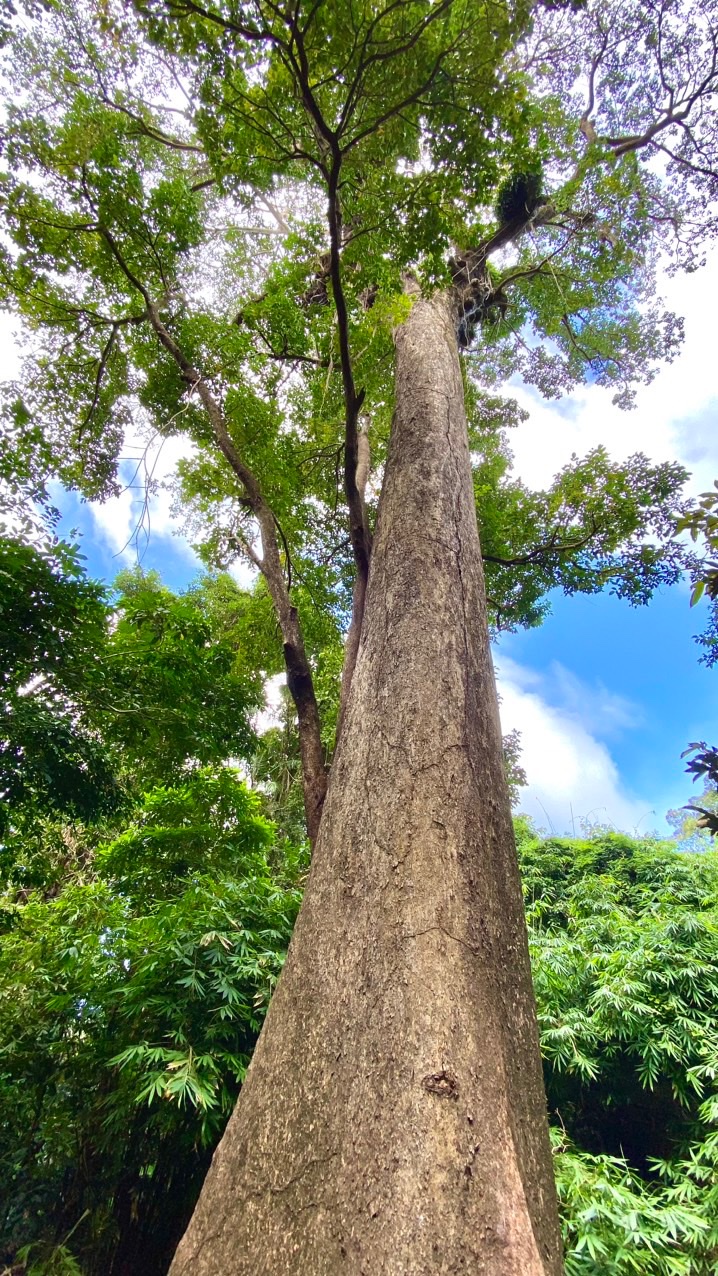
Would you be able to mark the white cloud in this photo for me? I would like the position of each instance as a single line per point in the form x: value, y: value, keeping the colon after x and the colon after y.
x: 675, y: 418
x: 571, y: 775
x: 125, y: 521
x: 270, y: 715
x: 161, y: 466
x: 114, y: 521
x: 565, y: 724
x: 244, y: 574
x: 608, y: 712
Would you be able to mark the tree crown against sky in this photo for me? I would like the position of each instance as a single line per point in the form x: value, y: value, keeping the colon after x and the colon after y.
x: 263, y: 178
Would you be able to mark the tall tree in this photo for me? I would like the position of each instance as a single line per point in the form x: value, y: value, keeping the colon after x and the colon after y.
x: 433, y: 174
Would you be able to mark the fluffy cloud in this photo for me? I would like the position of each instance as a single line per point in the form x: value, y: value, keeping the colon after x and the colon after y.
x: 572, y: 777
x: 244, y: 574
x: 565, y: 724
x: 270, y: 715
x: 674, y: 419
x: 114, y: 522
x: 127, y: 521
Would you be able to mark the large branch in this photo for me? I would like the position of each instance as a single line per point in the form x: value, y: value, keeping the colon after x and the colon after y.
x: 328, y: 142
x: 183, y: 7
x: 550, y: 547
x: 150, y: 130
x: 351, y: 650
x: 680, y: 101
x: 367, y: 60
x: 637, y: 141
x: 358, y: 527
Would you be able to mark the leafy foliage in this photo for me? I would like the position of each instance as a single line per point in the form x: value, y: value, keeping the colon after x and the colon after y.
x: 604, y: 526
x: 175, y: 685
x: 52, y: 627
x: 612, y: 1223
x: 132, y: 999
x: 704, y: 765
x: 624, y: 947
x: 96, y: 700
x: 208, y: 824
x: 216, y: 215
x: 142, y: 926
x: 701, y: 520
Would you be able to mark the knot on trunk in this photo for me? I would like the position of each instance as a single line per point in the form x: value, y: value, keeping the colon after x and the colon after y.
x: 442, y: 1083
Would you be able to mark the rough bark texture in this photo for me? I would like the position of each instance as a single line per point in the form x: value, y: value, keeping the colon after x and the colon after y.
x: 393, y: 1119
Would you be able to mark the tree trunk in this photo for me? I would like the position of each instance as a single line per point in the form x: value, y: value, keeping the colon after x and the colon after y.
x: 393, y: 1121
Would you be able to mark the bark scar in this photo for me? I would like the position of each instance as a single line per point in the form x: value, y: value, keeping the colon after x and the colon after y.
x: 442, y: 1083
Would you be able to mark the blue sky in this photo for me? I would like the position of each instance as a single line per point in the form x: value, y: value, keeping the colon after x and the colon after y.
x: 105, y: 537
x: 605, y: 696
x: 628, y: 678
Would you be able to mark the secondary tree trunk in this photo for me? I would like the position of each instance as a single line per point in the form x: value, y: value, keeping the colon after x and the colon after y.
x: 393, y: 1121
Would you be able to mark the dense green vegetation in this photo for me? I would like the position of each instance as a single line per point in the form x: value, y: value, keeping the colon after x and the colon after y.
x: 133, y: 990
x: 139, y: 943
x: 624, y: 943
x: 147, y: 903
x: 232, y: 269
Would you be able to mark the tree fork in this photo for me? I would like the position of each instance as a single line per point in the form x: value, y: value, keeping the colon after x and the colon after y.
x: 393, y: 1117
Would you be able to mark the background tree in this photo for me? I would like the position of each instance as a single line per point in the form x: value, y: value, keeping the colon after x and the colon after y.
x: 92, y: 710
x: 53, y: 626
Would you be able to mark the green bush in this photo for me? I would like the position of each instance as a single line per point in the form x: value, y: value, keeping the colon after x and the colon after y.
x: 624, y: 947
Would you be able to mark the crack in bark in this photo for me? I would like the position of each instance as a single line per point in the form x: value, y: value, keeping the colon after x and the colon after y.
x: 277, y: 1189
x: 418, y: 934
x: 417, y: 770
x: 462, y: 588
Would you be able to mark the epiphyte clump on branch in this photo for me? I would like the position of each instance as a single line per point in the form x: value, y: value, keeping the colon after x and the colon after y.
x: 519, y: 197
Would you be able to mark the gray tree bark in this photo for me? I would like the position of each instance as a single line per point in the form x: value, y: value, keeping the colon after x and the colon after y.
x: 393, y: 1120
